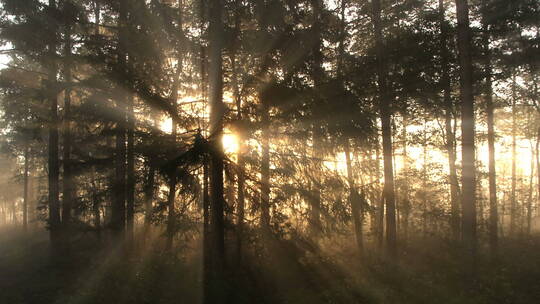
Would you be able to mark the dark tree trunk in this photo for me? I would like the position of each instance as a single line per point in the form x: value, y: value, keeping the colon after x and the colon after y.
x: 215, y: 293
x: 513, y: 202
x: 468, y: 200
x: 406, y: 204
x: 265, y: 172
x: 118, y: 210
x: 96, y: 205
x: 317, y: 75
x: 207, y: 278
x: 424, y: 181
x: 171, y: 198
x: 68, y: 185
x: 315, y: 214
x: 537, y: 148
x: 53, y: 160
x: 490, y: 108
x: 130, y: 182
x: 171, y: 217
x: 450, y: 135
x: 379, y: 197
x: 149, y: 189
x: 240, y: 207
x: 355, y: 200
x: 385, y: 112
x: 530, y: 197
x: 25, y: 189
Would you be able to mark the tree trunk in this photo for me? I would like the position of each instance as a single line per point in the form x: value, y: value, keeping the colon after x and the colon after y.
x: 450, y: 135
x: 530, y: 198
x: 424, y: 181
x: 171, y: 218
x: 354, y: 200
x: 96, y: 202
x: 379, y: 212
x: 406, y: 205
x: 468, y: 200
x: 317, y: 75
x: 68, y: 191
x: 537, y: 148
x: 149, y: 190
x: 240, y: 207
x: 130, y: 182
x: 385, y: 112
x: 490, y: 109
x: 118, y: 210
x: 25, y: 189
x: 215, y: 75
x: 265, y: 172
x: 171, y: 215
x: 53, y: 160
x: 513, y: 202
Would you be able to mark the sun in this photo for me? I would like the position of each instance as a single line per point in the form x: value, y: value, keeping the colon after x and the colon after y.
x: 230, y: 142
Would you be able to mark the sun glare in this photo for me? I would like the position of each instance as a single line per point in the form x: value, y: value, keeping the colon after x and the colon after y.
x: 230, y: 143
x: 165, y: 125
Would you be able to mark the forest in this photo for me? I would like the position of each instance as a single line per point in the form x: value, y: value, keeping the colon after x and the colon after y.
x: 269, y: 151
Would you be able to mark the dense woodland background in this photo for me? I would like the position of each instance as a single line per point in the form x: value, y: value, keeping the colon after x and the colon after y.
x: 269, y: 151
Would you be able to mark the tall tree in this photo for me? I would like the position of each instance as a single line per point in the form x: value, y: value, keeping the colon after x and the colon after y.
x: 385, y: 113
x: 448, y: 113
x: 490, y: 109
x: 513, y: 201
x: 25, y: 185
x: 468, y: 179
x: 118, y: 210
x: 217, y: 110
x: 67, y: 179
x: 355, y: 199
x: 317, y: 75
x: 53, y: 161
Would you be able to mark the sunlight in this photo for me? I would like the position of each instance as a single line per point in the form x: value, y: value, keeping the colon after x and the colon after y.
x: 230, y: 143
x: 165, y: 125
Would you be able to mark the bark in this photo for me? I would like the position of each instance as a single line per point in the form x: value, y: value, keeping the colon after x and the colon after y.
x: 149, y: 190
x: 240, y: 208
x: 206, y: 222
x: 68, y: 182
x: 215, y: 77
x: 130, y: 181
x: 450, y: 134
x: 513, y: 202
x: 265, y: 173
x: 150, y: 184
x: 171, y: 197
x: 25, y: 189
x: 537, y: 148
x: 424, y: 181
x: 171, y: 216
x: 385, y: 112
x: 317, y: 75
x: 490, y: 109
x: 96, y: 205
x: 355, y: 200
x: 315, y: 214
x: 468, y: 200
x: 379, y: 197
x: 118, y: 210
x: 206, y: 168
x: 530, y: 198
x: 406, y: 205
x: 53, y: 160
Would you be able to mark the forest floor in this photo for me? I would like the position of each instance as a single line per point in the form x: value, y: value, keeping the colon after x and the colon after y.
x: 289, y: 272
